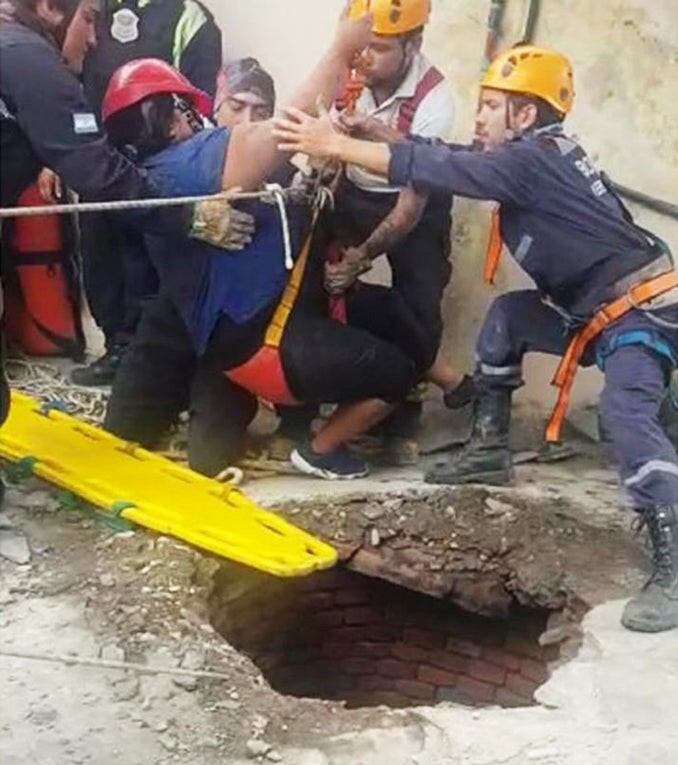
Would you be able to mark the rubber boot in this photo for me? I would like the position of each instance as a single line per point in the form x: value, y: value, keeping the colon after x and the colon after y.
x: 486, y: 457
x: 655, y: 608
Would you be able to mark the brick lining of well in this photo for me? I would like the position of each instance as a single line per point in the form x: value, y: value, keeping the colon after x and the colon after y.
x: 342, y: 635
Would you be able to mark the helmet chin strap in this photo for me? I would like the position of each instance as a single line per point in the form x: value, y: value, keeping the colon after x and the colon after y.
x: 194, y: 121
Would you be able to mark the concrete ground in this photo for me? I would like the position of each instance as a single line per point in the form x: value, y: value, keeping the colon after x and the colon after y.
x: 91, y: 591
x: 73, y: 586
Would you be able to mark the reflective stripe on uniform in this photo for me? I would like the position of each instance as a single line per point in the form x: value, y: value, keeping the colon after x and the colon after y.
x: 653, y: 466
x: 488, y: 369
x: 523, y: 248
x: 191, y: 22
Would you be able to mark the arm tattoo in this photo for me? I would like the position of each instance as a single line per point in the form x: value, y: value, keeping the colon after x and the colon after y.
x: 397, y: 224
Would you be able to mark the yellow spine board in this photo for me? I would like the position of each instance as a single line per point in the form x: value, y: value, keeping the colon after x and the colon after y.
x: 162, y: 496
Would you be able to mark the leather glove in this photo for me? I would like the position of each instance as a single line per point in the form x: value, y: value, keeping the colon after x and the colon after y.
x: 217, y: 223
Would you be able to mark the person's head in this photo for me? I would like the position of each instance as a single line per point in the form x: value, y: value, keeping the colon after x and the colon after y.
x: 397, y: 35
x: 149, y: 105
x: 245, y: 93
x: 48, y: 16
x: 524, y: 89
x: 388, y: 58
x: 80, y: 34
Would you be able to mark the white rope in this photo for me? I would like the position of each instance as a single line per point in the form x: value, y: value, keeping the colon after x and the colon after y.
x: 83, y: 661
x: 279, y: 196
x: 130, y: 204
x: 46, y: 383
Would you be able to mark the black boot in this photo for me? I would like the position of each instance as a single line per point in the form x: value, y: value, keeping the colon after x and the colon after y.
x: 102, y: 371
x: 655, y: 608
x: 486, y: 457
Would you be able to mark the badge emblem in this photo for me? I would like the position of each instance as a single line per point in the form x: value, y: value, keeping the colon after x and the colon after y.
x: 125, y: 26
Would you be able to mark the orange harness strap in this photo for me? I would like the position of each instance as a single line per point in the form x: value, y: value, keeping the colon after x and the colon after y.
x: 495, y: 246
x: 263, y: 373
x: 567, y: 369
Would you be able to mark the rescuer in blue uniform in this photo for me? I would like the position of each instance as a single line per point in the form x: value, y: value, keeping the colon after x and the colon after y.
x: 606, y: 289
x: 45, y: 121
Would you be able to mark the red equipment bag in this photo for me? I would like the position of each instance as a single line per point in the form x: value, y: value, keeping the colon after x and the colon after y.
x: 42, y: 311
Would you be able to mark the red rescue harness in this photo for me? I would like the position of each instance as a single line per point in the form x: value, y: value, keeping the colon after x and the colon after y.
x: 263, y: 373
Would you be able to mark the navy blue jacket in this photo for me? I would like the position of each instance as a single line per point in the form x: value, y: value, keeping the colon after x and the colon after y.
x: 558, y: 218
x: 45, y: 121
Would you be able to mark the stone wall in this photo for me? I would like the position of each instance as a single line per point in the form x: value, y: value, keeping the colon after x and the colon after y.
x: 625, y: 54
x: 341, y: 635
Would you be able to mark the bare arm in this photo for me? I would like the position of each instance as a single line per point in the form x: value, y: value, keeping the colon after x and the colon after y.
x: 297, y: 132
x: 402, y: 219
x: 253, y: 153
x: 406, y: 214
x: 505, y: 175
x: 367, y: 128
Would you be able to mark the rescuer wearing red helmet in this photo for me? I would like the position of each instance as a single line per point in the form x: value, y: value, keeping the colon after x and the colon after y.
x: 118, y: 275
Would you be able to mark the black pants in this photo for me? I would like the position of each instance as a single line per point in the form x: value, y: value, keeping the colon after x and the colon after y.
x: 420, y: 263
x: 382, y: 313
x: 118, y: 274
x: 160, y: 376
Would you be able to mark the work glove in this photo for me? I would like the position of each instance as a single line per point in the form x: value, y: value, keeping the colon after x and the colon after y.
x: 340, y: 277
x: 217, y: 223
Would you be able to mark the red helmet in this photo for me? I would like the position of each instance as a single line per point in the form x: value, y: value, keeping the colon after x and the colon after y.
x: 145, y: 77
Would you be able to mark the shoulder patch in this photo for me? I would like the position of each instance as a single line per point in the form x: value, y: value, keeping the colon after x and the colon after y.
x: 85, y: 123
x: 125, y: 26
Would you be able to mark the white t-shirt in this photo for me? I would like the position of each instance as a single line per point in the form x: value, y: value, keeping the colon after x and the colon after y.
x: 433, y: 119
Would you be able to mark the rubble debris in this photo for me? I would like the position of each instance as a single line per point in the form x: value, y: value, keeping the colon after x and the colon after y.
x: 14, y: 547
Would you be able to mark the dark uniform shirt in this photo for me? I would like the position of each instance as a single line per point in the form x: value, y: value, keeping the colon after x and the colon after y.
x: 45, y: 121
x: 558, y: 218
x: 181, y: 32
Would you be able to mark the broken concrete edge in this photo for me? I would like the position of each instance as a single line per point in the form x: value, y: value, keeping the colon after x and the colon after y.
x: 485, y: 573
x: 587, y: 712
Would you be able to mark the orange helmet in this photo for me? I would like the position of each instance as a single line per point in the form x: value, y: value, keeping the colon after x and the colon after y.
x: 393, y: 17
x: 533, y: 71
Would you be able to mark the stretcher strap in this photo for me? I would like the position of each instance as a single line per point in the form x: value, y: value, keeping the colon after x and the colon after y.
x: 495, y: 246
x: 567, y: 369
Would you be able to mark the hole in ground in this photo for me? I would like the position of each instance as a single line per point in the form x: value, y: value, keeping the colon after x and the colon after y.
x: 341, y: 635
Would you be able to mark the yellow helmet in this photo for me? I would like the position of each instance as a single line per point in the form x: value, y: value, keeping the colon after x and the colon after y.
x: 534, y: 72
x: 393, y: 17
